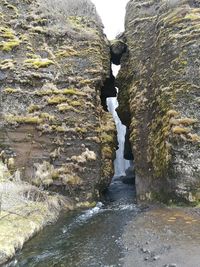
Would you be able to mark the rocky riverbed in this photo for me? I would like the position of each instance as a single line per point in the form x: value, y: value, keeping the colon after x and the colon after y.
x: 163, y: 237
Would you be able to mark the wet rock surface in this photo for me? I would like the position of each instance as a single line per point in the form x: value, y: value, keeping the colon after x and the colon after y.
x: 159, y: 97
x: 163, y: 237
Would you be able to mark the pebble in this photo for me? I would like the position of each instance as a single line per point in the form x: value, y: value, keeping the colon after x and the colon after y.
x: 145, y: 250
x: 157, y: 257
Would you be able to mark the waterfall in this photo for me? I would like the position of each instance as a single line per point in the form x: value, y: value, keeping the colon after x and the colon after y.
x: 120, y: 163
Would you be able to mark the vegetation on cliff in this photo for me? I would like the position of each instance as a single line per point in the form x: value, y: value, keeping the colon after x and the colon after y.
x: 159, y: 92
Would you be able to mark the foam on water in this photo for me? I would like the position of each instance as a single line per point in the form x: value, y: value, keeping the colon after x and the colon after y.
x: 84, y: 217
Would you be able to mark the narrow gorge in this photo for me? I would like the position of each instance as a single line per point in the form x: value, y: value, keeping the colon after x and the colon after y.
x: 88, y: 149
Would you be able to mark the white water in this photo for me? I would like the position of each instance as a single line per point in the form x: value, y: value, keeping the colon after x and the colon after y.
x: 120, y: 163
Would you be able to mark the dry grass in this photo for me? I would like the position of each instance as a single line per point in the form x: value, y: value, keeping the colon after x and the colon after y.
x: 24, y: 210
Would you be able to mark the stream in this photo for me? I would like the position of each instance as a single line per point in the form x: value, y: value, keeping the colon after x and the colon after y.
x: 86, y: 238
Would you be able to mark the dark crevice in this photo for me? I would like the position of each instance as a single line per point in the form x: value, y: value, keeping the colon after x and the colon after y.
x: 108, y: 90
x: 128, y: 154
x: 117, y: 49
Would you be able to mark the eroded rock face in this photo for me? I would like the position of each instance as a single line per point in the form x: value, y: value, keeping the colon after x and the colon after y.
x: 117, y: 48
x: 54, y: 58
x: 159, y: 97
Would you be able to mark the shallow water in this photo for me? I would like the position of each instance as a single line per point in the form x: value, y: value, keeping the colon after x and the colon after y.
x: 86, y: 238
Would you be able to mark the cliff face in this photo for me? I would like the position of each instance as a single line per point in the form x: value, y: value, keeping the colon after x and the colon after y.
x: 54, y: 59
x: 159, y: 97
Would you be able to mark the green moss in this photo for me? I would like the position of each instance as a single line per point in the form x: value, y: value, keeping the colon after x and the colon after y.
x: 81, y: 130
x: 66, y: 52
x: 11, y: 42
x: 106, y: 138
x: 47, y: 116
x: 33, y: 108
x: 65, y: 91
x: 60, y: 129
x: 7, y: 33
x: 193, y: 16
x: 38, y: 62
x: 72, y: 92
x: 31, y: 55
x: 81, y: 23
x: 106, y: 152
x: 75, y: 20
x: 85, y: 82
x: 12, y: 90
x: 107, y: 135
x: 56, y: 100
x: 75, y: 103
x: 9, y: 45
x: 38, y: 29
x: 44, y: 92
x: 23, y: 119
x: 66, y: 107
x: 107, y: 169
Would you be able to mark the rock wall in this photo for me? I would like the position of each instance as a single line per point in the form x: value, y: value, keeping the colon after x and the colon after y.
x: 54, y: 58
x: 160, y: 97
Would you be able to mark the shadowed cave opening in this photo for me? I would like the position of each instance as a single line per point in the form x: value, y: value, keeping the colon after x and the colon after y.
x: 124, y: 161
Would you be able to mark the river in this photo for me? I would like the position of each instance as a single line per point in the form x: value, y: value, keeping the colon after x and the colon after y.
x: 86, y: 238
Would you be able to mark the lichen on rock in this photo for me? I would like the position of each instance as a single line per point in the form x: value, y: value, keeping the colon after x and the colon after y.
x: 159, y: 84
x: 57, y: 70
